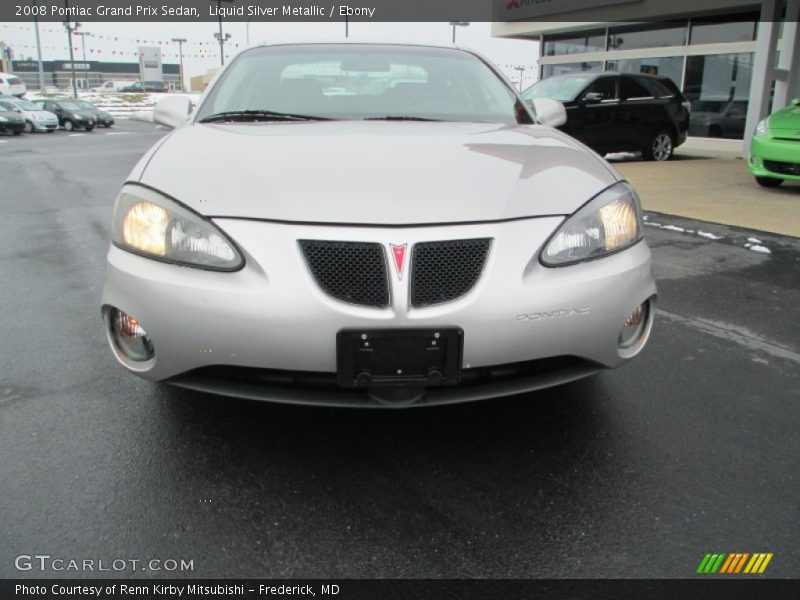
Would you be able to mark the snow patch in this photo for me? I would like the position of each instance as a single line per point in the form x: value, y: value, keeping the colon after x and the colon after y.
x: 673, y: 228
x: 753, y: 240
x: 709, y: 236
x: 761, y: 249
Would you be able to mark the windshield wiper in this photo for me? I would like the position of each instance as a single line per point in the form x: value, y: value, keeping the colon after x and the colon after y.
x: 400, y: 118
x: 258, y: 115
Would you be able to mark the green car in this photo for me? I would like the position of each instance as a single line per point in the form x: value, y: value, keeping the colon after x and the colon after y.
x: 775, y: 149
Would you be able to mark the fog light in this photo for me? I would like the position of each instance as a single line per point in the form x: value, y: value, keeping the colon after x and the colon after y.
x: 130, y: 337
x: 634, y: 326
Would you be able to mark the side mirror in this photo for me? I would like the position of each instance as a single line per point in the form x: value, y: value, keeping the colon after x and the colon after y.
x: 550, y: 112
x: 796, y: 102
x: 172, y: 111
x: 593, y: 97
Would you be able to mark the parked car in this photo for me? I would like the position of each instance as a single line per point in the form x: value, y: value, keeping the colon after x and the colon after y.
x: 36, y: 119
x: 102, y: 118
x: 11, y: 119
x: 450, y: 245
x: 110, y: 87
x: 775, y: 149
x: 620, y: 112
x: 12, y: 85
x: 718, y: 118
x: 145, y: 87
x: 70, y: 115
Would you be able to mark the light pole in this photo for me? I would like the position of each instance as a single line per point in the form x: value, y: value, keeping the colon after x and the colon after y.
x: 220, y: 36
x: 70, y: 27
x: 39, y: 50
x: 455, y: 24
x: 83, y: 35
x: 222, y: 39
x: 521, y: 72
x: 180, y: 42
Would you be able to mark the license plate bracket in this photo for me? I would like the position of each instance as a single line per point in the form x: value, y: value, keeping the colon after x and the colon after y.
x: 396, y: 357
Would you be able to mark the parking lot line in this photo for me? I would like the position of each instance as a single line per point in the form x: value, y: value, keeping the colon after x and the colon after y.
x: 117, y: 132
x: 76, y: 134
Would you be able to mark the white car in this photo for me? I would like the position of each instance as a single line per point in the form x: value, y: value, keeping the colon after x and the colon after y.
x: 437, y: 242
x: 36, y: 119
x: 11, y: 85
x: 110, y: 87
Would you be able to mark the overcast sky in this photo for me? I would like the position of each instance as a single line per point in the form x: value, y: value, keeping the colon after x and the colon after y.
x: 202, y: 53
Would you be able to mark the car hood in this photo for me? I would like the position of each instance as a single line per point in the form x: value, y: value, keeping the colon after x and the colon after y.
x: 44, y: 115
x: 786, y: 118
x: 370, y: 172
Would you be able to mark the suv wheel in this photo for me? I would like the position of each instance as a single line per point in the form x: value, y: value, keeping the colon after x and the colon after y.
x: 768, y: 182
x: 659, y: 147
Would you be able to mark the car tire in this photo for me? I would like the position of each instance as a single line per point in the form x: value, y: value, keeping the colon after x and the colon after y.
x: 69, y: 126
x: 18, y: 132
x: 28, y: 127
x: 88, y: 129
x: 768, y: 182
x: 659, y: 147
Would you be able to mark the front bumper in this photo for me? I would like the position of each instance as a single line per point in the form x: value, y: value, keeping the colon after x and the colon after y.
x: 45, y: 125
x: 272, y: 316
x: 771, y: 149
x: 12, y: 127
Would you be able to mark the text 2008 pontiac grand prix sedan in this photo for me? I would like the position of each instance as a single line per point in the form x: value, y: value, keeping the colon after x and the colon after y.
x: 372, y: 225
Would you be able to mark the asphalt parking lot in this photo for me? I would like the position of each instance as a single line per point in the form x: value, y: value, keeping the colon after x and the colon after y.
x: 639, y: 472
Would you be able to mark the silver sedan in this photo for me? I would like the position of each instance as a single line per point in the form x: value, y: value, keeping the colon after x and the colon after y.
x: 372, y: 225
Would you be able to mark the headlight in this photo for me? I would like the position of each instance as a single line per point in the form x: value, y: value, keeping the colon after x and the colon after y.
x: 145, y: 222
x: 608, y: 223
x: 761, y: 128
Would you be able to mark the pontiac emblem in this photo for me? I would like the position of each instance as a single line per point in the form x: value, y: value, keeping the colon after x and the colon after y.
x: 399, y: 258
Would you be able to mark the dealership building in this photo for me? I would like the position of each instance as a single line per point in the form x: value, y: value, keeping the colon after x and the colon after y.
x: 89, y: 74
x: 735, y: 60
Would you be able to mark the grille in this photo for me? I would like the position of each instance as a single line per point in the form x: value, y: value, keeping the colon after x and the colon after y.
x: 444, y: 271
x: 353, y: 272
x: 786, y: 168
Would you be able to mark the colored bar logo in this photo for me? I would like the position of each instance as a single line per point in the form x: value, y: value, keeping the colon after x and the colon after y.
x: 734, y: 563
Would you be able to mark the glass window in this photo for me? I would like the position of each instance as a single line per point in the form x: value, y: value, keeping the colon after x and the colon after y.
x: 565, y: 68
x: 606, y: 87
x: 349, y: 81
x: 575, y: 43
x: 718, y: 86
x: 741, y: 28
x: 630, y: 88
x: 669, y: 66
x: 649, y: 36
x: 563, y: 89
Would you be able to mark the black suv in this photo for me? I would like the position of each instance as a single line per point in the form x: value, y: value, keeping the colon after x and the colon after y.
x: 145, y: 86
x: 620, y: 112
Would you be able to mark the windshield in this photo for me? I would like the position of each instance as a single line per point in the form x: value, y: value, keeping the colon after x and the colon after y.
x: 85, y: 105
x: 8, y: 106
x: 69, y: 106
x: 563, y: 89
x: 347, y: 81
x: 25, y: 105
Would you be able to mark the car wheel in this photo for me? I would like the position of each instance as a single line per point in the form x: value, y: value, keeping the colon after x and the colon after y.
x: 659, y: 147
x: 28, y: 127
x: 88, y: 129
x: 768, y: 182
x: 69, y: 126
x: 18, y: 132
